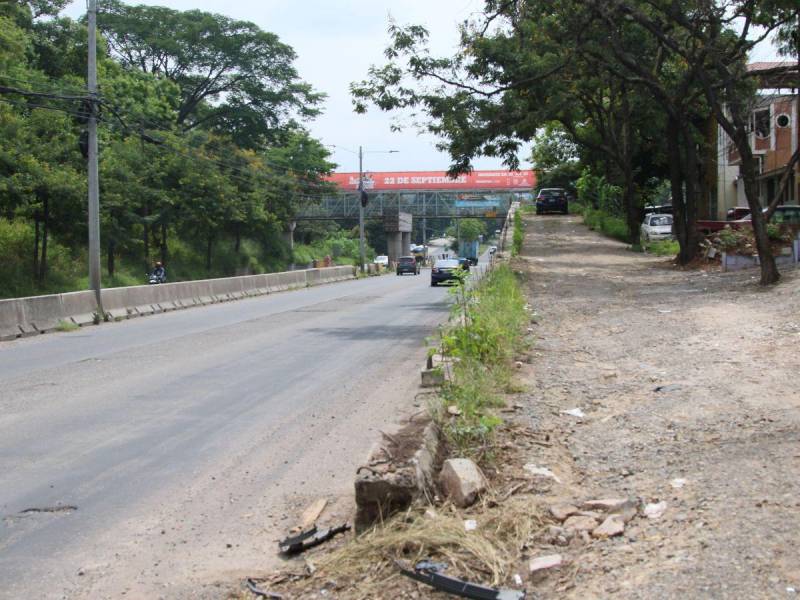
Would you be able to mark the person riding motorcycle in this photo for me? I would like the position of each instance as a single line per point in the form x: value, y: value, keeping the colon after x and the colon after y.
x: 159, y: 272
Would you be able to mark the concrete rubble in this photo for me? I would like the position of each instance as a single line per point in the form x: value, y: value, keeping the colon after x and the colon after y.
x: 462, y: 481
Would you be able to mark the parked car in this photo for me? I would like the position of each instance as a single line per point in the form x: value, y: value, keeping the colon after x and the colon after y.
x: 444, y: 269
x: 407, y: 264
x: 736, y: 213
x: 788, y: 214
x: 662, y: 209
x: 382, y: 261
x: 552, y: 200
x: 656, y: 227
x: 492, y: 249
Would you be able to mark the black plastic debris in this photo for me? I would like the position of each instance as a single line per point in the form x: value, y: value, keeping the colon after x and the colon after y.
x: 455, y: 586
x: 310, y: 538
x: 253, y: 587
x: 672, y: 387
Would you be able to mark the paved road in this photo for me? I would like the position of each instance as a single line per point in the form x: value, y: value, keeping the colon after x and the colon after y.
x: 188, y: 441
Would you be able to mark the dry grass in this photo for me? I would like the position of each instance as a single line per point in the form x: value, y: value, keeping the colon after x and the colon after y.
x: 365, y: 567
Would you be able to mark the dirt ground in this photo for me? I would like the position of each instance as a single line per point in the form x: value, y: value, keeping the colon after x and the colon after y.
x: 686, y: 388
x: 689, y: 386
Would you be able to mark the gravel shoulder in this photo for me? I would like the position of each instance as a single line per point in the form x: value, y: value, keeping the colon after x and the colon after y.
x: 689, y: 385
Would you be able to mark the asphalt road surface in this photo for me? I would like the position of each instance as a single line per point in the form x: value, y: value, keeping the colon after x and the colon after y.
x: 153, y: 457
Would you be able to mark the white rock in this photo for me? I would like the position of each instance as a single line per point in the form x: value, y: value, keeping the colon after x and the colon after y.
x: 541, y: 472
x: 543, y: 563
x: 470, y: 525
x: 655, y: 510
x: 678, y: 483
x: 574, y: 412
x: 462, y: 481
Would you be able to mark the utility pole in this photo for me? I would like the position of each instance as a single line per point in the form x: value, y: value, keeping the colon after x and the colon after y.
x: 361, y: 253
x: 94, y: 185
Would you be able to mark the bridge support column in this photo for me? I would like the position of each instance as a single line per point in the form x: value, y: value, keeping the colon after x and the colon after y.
x: 288, y: 234
x: 398, y: 229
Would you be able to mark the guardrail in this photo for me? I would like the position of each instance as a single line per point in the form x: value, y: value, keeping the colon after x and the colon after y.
x: 21, y: 317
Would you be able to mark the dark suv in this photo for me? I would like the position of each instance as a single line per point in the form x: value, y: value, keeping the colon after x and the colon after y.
x: 407, y: 264
x: 552, y: 200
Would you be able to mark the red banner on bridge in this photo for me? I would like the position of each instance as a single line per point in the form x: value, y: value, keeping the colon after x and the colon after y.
x: 437, y: 180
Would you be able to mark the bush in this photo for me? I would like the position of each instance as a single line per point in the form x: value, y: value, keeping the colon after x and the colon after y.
x: 518, y: 235
x: 601, y: 221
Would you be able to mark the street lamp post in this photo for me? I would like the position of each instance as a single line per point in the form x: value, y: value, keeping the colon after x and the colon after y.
x: 361, y: 252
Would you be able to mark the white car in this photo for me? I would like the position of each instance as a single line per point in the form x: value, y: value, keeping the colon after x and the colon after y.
x: 657, y: 227
x: 382, y: 261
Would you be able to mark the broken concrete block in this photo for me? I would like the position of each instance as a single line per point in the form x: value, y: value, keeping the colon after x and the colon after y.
x: 613, y: 525
x: 462, y: 481
x: 606, y: 504
x: 562, y: 511
x: 432, y: 377
x: 578, y: 523
x: 544, y: 563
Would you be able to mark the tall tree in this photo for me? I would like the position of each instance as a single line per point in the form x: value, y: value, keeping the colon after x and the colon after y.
x: 233, y: 76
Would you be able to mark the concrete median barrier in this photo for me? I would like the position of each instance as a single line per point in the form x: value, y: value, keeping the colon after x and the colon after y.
x: 21, y: 317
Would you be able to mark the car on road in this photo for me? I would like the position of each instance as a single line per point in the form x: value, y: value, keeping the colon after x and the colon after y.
x: 445, y: 269
x: 492, y: 249
x: 656, y: 227
x: 552, y: 200
x: 661, y: 209
x: 382, y: 261
x: 407, y: 264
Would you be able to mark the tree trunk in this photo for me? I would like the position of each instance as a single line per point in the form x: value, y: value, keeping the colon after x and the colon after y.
x: 692, y: 182
x: 110, y: 257
x: 209, y: 247
x: 146, y: 235
x: 164, y: 248
x: 769, y: 270
x: 676, y: 179
x: 36, y: 248
x: 45, y: 223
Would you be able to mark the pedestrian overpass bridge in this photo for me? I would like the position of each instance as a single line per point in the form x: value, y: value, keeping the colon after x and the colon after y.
x: 422, y: 194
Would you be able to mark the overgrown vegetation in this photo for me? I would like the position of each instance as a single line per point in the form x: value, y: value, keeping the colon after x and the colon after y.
x: 204, y: 156
x: 479, y: 345
x: 662, y: 247
x: 518, y: 235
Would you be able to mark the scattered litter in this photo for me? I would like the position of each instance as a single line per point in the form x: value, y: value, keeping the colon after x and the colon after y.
x: 310, y: 538
x: 655, y: 510
x: 312, y: 513
x: 253, y: 587
x: 517, y: 579
x: 678, y: 483
x: 664, y: 311
x: 541, y: 472
x: 428, y: 565
x: 459, y: 587
x: 791, y: 590
x: 543, y: 563
x: 672, y: 387
x: 574, y: 412
x: 470, y: 525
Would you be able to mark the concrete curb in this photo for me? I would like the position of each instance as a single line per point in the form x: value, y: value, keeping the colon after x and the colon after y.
x: 21, y: 317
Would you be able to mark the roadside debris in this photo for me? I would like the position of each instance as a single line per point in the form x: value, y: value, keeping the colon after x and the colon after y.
x: 544, y: 563
x: 312, y: 513
x: 655, y: 510
x: 678, y: 483
x: 470, y: 525
x: 574, y: 412
x: 541, y: 472
x: 462, y: 481
x: 672, y: 387
x: 458, y: 587
x: 253, y: 587
x: 613, y: 525
x: 310, y: 538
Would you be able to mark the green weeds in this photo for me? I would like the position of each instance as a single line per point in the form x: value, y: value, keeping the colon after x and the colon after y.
x: 518, y: 236
x: 481, y: 343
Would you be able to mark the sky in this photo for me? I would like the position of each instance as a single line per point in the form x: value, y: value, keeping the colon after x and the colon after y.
x: 336, y: 42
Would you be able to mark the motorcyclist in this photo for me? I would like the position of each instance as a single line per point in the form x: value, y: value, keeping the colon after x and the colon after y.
x: 159, y: 272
